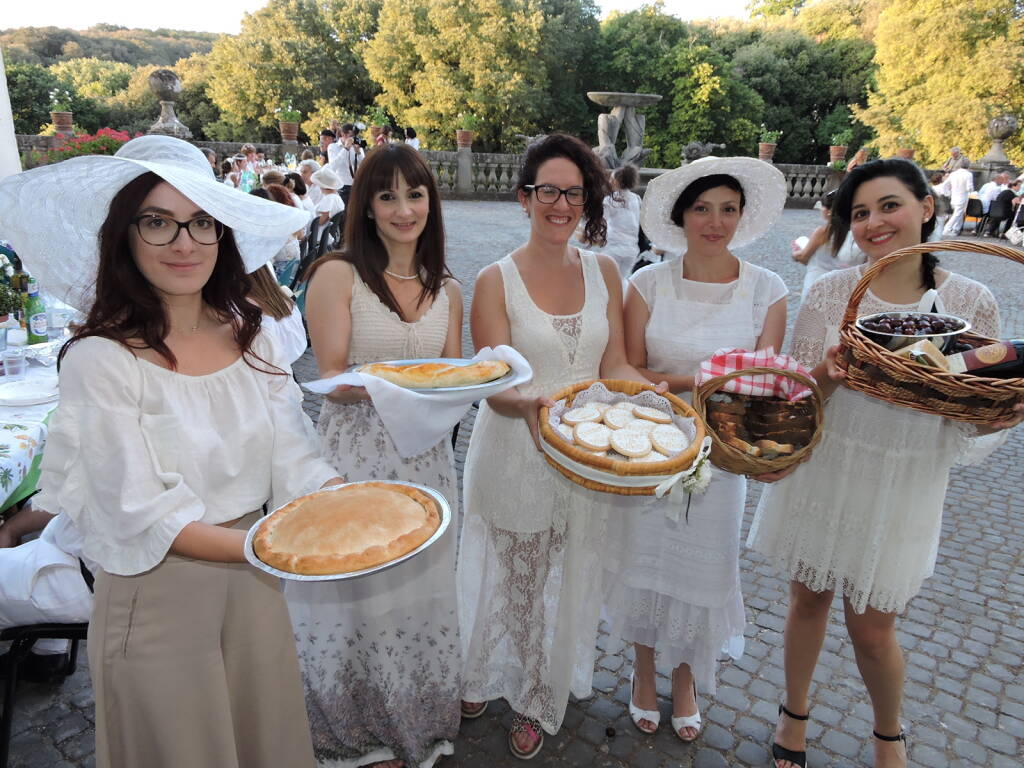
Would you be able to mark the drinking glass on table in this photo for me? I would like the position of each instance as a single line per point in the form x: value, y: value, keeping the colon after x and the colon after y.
x: 57, y: 323
x: 15, y: 363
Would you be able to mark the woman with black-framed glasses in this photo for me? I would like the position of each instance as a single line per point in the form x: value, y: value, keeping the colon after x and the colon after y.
x: 530, y: 569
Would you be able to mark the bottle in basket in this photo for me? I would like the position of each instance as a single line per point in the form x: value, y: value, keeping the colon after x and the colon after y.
x: 35, y: 314
x: 1002, y: 360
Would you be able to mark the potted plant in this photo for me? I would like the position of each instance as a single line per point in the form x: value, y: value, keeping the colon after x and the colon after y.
x: 837, y: 166
x: 10, y: 301
x: 767, y: 143
x: 905, y: 147
x: 840, y: 143
x: 377, y: 117
x: 60, y: 110
x: 288, y: 122
x: 470, y: 125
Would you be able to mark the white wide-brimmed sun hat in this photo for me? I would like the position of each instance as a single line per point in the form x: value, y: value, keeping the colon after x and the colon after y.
x: 52, y: 215
x: 327, y: 179
x: 764, y: 188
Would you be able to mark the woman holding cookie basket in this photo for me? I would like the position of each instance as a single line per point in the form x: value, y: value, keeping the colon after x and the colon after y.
x: 679, y: 589
x: 862, y: 517
x: 533, y: 545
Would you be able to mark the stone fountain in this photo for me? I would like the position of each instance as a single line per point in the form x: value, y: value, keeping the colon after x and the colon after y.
x: 622, y: 117
x: 167, y: 87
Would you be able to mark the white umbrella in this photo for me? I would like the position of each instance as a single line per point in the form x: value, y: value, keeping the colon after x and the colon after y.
x: 10, y: 161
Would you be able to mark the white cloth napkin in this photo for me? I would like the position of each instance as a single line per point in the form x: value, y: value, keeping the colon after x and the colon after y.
x: 417, y: 421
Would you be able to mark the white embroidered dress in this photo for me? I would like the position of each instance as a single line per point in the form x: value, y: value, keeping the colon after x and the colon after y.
x: 863, y: 515
x: 530, y: 569
x: 678, y: 586
x: 380, y: 655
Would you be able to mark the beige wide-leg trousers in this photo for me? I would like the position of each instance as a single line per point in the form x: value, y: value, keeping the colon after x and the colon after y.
x: 193, y: 665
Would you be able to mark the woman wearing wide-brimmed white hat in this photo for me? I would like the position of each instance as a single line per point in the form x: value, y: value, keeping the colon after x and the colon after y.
x: 175, y: 427
x: 677, y: 588
x: 330, y: 203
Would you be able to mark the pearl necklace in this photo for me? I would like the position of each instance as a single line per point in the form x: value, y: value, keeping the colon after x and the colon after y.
x: 401, y: 277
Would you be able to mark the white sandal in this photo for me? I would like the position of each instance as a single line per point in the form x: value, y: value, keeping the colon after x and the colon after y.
x: 688, y: 721
x: 638, y: 714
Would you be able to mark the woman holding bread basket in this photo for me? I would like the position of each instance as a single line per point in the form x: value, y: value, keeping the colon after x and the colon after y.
x: 679, y: 587
x: 862, y: 516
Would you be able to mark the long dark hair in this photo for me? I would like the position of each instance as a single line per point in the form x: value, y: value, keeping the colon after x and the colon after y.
x: 595, y: 177
x: 128, y: 307
x: 908, y: 174
x: 364, y: 249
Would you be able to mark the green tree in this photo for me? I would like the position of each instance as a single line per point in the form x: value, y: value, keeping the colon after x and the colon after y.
x: 29, y: 86
x: 290, y: 50
x: 94, y: 78
x: 569, y: 48
x: 767, y: 8
x: 945, y: 67
x: 436, y: 59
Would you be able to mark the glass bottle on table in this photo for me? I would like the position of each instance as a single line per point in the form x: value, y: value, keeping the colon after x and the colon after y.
x: 35, y: 314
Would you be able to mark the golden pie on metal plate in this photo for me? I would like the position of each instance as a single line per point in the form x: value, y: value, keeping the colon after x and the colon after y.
x: 431, y: 375
x: 347, y: 529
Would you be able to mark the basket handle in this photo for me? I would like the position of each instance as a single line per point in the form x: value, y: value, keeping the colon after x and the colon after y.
x: 1013, y: 254
x: 713, y: 385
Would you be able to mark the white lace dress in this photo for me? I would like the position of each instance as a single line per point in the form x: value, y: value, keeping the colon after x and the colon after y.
x: 380, y: 656
x: 863, y: 515
x: 677, y: 587
x: 529, y: 570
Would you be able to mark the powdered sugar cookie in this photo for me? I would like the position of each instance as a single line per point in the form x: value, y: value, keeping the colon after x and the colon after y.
x: 593, y: 437
x: 652, y: 456
x: 630, y: 443
x: 617, y: 418
x: 565, y: 431
x: 669, y: 439
x: 575, y: 416
x: 601, y: 407
x: 641, y: 425
x: 651, y: 414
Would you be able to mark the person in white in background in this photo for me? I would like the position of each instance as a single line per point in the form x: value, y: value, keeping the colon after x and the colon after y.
x: 306, y: 170
x: 41, y: 582
x: 990, y: 189
x: 957, y: 187
x: 345, y: 155
x: 282, y: 320
x: 622, y: 214
x: 411, y: 139
x: 330, y: 203
x: 816, y: 251
x: 301, y: 192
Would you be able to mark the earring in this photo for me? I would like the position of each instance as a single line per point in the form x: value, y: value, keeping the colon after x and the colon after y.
x: 369, y: 214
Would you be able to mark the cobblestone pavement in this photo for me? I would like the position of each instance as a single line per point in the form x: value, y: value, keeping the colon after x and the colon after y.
x: 963, y: 635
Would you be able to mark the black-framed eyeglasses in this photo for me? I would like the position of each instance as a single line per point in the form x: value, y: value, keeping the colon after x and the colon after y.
x: 163, y: 230
x: 549, y: 194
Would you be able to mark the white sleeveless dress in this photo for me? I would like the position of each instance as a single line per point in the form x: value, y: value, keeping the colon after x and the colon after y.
x: 679, y: 586
x: 380, y: 656
x: 529, y: 571
x: 863, y: 515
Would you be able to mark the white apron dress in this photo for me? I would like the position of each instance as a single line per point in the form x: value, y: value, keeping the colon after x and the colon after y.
x: 380, y: 655
x: 678, y: 583
x: 529, y: 571
x: 863, y: 515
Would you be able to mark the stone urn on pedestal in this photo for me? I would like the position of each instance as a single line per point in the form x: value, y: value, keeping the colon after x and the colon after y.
x: 167, y: 87
x: 999, y: 130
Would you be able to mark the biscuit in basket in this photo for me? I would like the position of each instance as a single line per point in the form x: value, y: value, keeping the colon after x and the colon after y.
x: 669, y: 439
x: 652, y: 456
x: 641, y: 425
x: 601, y: 407
x: 566, y: 432
x: 630, y: 443
x: 437, y: 375
x: 772, y: 450
x: 743, y: 445
x: 575, y: 416
x: 652, y: 414
x: 617, y: 418
x: 593, y: 437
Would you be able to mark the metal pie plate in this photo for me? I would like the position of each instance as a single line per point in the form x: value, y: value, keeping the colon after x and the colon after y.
x: 446, y: 518
x: 475, y: 388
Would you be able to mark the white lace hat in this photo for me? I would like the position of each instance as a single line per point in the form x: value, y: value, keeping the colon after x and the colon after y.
x: 52, y: 215
x: 326, y: 178
x: 764, y: 187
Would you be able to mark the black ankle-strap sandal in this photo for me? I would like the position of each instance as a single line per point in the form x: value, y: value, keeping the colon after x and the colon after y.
x: 901, y: 736
x: 797, y: 757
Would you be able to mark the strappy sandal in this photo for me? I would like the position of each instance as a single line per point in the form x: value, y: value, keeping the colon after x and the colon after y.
x: 524, y: 724
x: 688, y: 721
x: 636, y: 714
x: 901, y: 736
x: 779, y: 752
x: 472, y: 710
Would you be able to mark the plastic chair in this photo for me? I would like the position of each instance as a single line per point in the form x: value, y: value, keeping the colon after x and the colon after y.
x: 974, y: 211
x: 22, y: 639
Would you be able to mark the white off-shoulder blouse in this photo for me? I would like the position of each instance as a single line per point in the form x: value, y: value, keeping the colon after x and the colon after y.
x: 136, y: 451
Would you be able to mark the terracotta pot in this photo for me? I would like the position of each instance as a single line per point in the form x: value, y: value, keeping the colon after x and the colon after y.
x: 906, y: 153
x: 376, y: 130
x: 62, y: 121
x: 836, y: 152
x: 464, y: 139
x: 766, y: 151
x: 289, y: 131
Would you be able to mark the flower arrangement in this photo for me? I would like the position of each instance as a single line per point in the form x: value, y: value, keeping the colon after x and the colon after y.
x: 60, y: 100
x: 769, y: 137
x: 106, y: 141
x: 469, y: 122
x: 286, y: 113
x: 6, y: 267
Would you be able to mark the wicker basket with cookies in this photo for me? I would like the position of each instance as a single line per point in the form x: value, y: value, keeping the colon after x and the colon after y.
x: 623, y: 437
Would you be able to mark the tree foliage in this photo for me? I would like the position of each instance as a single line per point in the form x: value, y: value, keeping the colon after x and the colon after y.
x: 29, y: 87
x: 49, y: 45
x: 945, y: 67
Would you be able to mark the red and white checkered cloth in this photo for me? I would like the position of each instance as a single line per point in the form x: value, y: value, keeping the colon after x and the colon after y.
x: 728, y: 359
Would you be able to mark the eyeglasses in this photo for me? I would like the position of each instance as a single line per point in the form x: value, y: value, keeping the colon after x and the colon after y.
x: 549, y: 194
x: 161, y: 230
